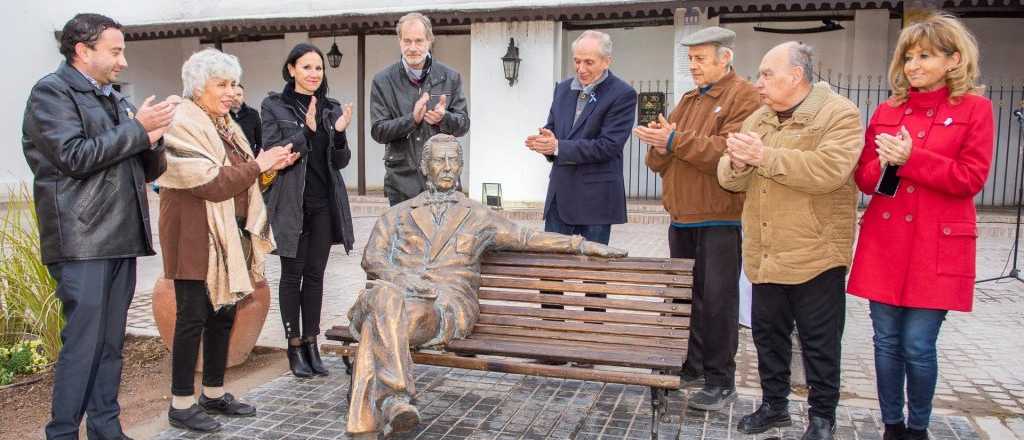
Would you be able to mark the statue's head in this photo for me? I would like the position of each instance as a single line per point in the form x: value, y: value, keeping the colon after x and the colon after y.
x: 442, y: 162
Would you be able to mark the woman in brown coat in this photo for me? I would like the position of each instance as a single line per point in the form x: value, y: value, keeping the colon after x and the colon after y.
x: 213, y: 233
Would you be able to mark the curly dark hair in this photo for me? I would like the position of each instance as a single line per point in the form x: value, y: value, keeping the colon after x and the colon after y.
x: 86, y: 29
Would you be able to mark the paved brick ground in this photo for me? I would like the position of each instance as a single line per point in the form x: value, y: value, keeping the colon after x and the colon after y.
x: 459, y: 404
x: 980, y: 352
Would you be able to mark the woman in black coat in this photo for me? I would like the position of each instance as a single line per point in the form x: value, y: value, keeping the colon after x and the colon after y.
x: 307, y: 202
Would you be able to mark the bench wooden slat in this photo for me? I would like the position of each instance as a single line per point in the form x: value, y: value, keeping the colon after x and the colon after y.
x: 341, y: 332
x: 559, y: 344
x: 541, y: 348
x: 568, y: 326
x: 662, y: 265
x: 664, y: 343
x: 589, y: 275
x: 613, y: 289
x: 532, y: 348
x: 576, y: 315
x: 572, y: 300
x: 670, y: 381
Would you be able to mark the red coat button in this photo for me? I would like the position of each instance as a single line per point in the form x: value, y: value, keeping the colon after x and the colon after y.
x: 909, y: 218
x: 947, y: 231
x: 920, y: 134
x: 886, y: 215
x: 930, y: 113
x: 908, y: 111
x: 910, y: 189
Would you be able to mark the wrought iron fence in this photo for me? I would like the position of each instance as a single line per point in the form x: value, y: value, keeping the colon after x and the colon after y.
x: 641, y: 182
x: 867, y: 92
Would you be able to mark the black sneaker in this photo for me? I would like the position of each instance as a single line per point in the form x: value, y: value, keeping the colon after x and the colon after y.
x: 192, y: 419
x: 766, y: 417
x: 689, y: 379
x: 227, y: 405
x: 712, y: 398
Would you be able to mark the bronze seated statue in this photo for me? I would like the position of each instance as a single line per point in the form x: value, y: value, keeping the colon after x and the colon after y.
x: 422, y: 263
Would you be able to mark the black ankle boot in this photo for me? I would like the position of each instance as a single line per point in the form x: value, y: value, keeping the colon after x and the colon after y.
x: 312, y: 354
x: 766, y: 417
x: 894, y: 431
x: 297, y: 361
x: 914, y: 434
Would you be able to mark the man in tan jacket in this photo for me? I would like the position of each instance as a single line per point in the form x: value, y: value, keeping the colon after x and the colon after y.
x: 685, y: 151
x: 794, y: 158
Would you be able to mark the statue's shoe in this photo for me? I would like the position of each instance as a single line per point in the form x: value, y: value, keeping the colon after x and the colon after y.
x: 401, y: 415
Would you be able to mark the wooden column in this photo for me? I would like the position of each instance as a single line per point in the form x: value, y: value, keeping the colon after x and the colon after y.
x: 361, y: 109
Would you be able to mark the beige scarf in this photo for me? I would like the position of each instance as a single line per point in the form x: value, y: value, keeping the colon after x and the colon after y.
x: 195, y: 154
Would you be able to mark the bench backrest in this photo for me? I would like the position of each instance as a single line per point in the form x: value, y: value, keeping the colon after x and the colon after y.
x: 647, y: 303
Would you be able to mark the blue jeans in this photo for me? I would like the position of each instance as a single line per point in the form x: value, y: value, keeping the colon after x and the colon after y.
x: 905, y: 348
x: 596, y: 233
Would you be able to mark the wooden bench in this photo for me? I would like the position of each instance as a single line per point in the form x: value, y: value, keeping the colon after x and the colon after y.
x: 644, y: 327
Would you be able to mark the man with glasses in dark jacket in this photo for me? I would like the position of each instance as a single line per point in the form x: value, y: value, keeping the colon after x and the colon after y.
x: 410, y: 101
x: 92, y: 152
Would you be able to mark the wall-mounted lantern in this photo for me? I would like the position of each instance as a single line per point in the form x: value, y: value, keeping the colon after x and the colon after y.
x: 511, y: 62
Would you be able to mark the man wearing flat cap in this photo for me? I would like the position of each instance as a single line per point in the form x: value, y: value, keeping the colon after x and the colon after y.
x: 685, y: 150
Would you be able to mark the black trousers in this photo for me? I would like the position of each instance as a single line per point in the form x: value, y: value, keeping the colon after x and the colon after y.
x: 197, y: 321
x: 301, y: 291
x: 818, y: 307
x: 714, y: 317
x: 96, y: 295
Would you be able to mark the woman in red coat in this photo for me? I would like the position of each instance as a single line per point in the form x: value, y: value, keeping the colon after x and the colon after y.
x: 915, y: 255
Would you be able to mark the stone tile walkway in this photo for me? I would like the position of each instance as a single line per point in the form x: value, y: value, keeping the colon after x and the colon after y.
x: 459, y: 404
x: 981, y: 371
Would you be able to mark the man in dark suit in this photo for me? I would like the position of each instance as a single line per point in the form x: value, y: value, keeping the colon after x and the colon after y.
x: 590, y: 120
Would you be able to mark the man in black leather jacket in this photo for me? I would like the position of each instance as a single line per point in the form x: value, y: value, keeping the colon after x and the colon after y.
x: 91, y: 153
x: 410, y: 101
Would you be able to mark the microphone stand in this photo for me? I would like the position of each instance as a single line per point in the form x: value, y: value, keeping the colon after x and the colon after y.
x: 1014, y: 270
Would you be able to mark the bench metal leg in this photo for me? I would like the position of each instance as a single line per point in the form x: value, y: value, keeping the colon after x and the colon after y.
x: 347, y: 361
x: 659, y: 407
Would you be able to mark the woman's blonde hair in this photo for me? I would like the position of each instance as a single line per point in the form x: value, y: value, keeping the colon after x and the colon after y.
x: 944, y: 34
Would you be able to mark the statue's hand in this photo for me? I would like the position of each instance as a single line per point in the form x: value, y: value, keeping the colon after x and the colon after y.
x: 599, y: 250
x: 419, y: 286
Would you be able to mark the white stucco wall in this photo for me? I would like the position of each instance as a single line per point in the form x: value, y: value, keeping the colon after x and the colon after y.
x: 639, y: 54
x: 504, y: 116
x: 36, y: 53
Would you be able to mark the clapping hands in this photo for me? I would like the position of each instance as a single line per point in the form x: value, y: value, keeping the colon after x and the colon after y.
x: 744, y: 149
x: 276, y: 158
x: 656, y: 134
x: 156, y: 118
x: 894, y: 150
x: 544, y: 142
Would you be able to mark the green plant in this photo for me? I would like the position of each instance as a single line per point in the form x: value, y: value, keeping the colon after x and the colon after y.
x: 28, y: 302
x: 25, y: 357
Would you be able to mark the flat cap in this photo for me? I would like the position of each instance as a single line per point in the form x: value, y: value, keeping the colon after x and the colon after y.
x: 710, y: 35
